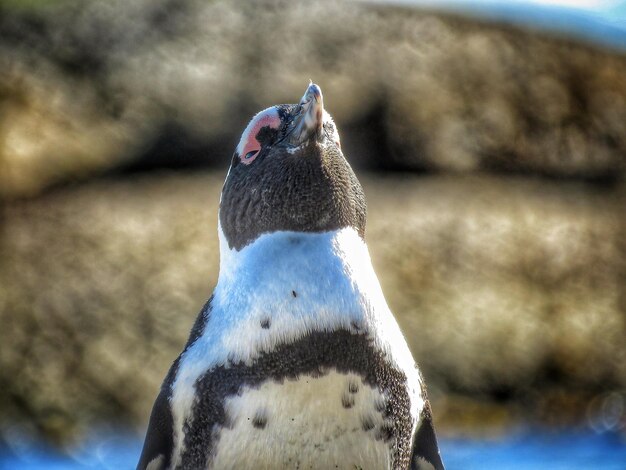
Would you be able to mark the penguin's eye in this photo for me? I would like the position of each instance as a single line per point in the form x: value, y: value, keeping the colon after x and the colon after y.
x: 250, y: 154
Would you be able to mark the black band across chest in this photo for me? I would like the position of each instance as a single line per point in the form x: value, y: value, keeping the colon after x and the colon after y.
x: 317, y: 354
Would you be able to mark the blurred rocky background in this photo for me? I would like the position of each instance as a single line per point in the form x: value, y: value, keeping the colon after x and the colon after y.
x: 493, y: 158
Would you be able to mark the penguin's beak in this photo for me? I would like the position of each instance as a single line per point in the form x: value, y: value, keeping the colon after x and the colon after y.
x: 308, y: 121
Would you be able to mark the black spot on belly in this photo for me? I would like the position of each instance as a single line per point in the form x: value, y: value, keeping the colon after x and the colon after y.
x: 229, y: 423
x: 295, y: 240
x: 381, y: 406
x: 347, y: 401
x: 260, y: 420
x: 353, y: 387
x: 317, y: 372
x: 368, y: 423
x: 265, y: 323
x: 385, y: 432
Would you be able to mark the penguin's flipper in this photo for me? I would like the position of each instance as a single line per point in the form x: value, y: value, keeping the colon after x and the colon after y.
x: 425, y: 448
x: 159, y: 443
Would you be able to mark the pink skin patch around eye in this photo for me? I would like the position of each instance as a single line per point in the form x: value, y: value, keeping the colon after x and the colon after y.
x: 249, y: 147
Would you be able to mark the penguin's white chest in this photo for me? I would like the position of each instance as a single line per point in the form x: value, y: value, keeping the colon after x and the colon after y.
x: 324, y: 422
x: 285, y: 306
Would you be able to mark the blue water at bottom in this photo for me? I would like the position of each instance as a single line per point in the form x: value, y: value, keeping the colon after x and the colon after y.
x: 537, y: 451
x: 521, y: 451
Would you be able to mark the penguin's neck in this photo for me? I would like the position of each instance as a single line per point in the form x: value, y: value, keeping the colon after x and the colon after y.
x: 280, y: 259
x: 285, y: 284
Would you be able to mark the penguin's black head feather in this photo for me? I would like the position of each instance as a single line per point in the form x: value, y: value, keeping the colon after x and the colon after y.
x: 288, y: 174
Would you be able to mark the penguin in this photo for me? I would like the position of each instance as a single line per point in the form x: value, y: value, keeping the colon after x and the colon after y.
x: 295, y: 361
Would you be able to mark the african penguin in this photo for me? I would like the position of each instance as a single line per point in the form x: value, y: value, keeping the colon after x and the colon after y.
x: 296, y: 360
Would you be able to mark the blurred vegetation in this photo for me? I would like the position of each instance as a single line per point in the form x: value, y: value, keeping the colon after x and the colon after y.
x: 493, y: 160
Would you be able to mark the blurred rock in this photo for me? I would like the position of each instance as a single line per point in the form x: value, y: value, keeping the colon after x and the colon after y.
x: 52, y: 130
x: 92, y: 85
x: 106, y: 277
x: 509, y: 290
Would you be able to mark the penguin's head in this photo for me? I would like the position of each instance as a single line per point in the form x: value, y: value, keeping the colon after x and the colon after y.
x: 288, y: 174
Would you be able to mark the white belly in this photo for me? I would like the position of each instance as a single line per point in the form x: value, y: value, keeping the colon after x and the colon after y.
x: 327, y: 422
